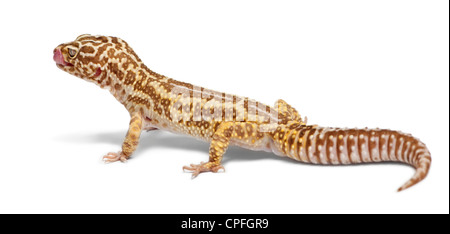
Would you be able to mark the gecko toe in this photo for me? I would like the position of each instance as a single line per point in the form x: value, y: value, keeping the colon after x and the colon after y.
x: 196, y: 169
x: 114, y: 157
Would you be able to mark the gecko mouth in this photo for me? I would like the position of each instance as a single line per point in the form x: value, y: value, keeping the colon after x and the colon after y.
x: 59, y: 59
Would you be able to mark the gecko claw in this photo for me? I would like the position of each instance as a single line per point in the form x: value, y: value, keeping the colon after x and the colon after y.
x: 196, y: 169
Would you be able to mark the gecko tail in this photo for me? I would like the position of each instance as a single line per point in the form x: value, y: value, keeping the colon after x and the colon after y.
x: 338, y: 146
x: 422, y: 166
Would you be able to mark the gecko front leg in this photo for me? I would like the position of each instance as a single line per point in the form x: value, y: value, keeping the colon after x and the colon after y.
x: 131, y: 140
x: 219, y: 144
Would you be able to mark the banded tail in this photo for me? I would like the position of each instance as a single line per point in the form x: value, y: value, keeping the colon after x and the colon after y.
x: 321, y: 145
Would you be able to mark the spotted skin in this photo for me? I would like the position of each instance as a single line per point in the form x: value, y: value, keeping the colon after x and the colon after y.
x: 155, y: 102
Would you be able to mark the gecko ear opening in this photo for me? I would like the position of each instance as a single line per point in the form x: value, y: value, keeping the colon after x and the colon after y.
x: 98, y: 72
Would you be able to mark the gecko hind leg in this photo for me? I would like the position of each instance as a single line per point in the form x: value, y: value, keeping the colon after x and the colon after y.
x: 288, y: 111
x: 219, y: 144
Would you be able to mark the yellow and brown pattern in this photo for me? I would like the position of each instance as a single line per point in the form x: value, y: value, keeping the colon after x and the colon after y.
x: 155, y: 101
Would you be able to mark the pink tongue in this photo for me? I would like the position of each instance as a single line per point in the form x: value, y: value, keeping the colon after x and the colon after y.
x: 59, y: 58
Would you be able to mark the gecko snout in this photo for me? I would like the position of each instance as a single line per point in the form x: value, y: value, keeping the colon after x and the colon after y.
x: 58, y: 57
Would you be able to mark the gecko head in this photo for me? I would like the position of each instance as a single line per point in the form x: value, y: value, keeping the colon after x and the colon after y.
x: 80, y: 57
x: 94, y: 58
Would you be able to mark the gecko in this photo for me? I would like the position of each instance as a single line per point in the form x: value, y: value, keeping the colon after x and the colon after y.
x: 157, y: 102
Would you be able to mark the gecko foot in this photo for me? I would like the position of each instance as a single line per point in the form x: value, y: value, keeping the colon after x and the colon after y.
x: 113, y: 157
x: 196, y: 169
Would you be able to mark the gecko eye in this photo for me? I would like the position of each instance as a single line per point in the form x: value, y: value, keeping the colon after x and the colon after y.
x: 72, y: 52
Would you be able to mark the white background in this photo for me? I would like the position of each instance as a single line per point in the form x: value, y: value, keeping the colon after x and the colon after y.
x: 341, y: 63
